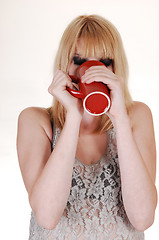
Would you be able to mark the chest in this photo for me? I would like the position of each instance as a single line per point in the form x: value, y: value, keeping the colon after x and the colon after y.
x: 98, y: 183
x: 90, y: 149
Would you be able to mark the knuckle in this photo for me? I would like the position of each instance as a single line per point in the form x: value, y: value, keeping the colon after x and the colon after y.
x: 50, y: 90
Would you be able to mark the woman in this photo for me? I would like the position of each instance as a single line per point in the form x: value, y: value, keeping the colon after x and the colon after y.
x: 98, y: 182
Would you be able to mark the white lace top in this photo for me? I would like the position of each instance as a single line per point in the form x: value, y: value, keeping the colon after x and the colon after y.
x: 94, y: 208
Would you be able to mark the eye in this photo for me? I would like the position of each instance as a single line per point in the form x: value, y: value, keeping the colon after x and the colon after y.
x: 107, y: 61
x: 78, y: 61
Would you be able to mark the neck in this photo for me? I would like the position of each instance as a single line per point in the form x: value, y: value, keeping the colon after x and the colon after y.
x: 88, y: 123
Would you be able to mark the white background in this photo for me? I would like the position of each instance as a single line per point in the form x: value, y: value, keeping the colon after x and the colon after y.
x: 30, y: 31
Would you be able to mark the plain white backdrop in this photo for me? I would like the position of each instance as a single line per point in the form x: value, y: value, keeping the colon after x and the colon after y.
x: 30, y: 31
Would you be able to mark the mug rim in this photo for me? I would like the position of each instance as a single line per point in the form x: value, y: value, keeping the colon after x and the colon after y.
x: 96, y: 114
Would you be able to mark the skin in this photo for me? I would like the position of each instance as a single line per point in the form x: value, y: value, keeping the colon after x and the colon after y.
x: 42, y: 170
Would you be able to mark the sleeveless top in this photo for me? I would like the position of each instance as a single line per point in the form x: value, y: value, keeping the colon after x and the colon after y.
x: 94, y: 209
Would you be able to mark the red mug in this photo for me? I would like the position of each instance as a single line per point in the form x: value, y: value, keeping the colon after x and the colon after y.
x: 95, y: 96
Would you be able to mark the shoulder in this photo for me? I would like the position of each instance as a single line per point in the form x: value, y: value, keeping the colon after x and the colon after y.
x: 35, y: 113
x: 36, y: 116
x: 140, y: 114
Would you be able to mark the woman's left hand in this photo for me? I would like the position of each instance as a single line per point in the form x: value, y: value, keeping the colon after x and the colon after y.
x: 114, y: 83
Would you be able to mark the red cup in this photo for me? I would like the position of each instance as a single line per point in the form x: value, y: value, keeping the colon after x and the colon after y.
x: 95, y: 96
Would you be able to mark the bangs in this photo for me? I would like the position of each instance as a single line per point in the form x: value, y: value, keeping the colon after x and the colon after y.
x: 97, y: 43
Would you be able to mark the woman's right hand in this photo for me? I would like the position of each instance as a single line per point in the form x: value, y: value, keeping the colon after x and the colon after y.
x: 60, y: 81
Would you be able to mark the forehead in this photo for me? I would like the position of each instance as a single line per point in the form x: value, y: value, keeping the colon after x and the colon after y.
x: 92, y: 48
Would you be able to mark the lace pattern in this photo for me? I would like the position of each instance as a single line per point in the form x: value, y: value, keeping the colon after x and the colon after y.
x: 94, y: 208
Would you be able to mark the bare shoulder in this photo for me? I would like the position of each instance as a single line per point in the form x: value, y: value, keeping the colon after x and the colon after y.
x: 140, y: 114
x: 36, y: 116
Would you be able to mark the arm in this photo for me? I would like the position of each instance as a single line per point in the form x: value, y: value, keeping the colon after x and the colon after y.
x: 136, y: 149
x: 47, y: 176
x: 137, y: 161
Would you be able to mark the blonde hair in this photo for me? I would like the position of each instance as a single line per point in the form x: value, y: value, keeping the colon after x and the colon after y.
x: 101, y: 38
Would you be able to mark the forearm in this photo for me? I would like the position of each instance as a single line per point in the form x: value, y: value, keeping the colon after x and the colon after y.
x: 138, y: 190
x: 50, y: 193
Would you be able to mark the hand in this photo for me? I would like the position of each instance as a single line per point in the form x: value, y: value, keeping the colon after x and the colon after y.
x: 57, y: 89
x: 114, y: 83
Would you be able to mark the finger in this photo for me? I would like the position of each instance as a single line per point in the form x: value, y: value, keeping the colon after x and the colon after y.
x: 99, y: 72
x: 75, y: 86
x: 98, y: 77
x: 60, y: 81
x: 68, y: 83
x: 96, y: 71
x: 96, y: 68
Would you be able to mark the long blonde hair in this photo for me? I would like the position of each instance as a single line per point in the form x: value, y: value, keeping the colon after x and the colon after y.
x: 100, y: 37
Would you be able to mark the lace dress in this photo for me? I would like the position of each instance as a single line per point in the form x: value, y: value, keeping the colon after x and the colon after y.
x: 94, y: 209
